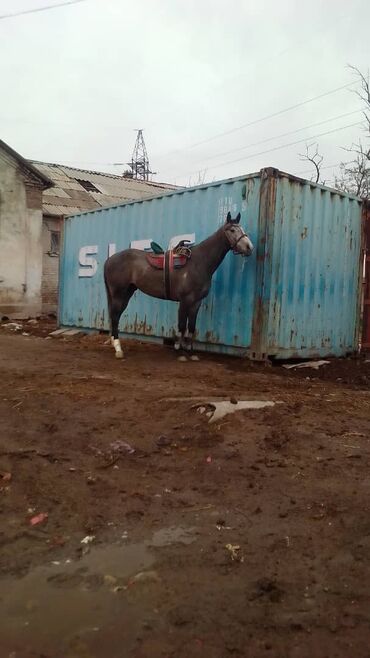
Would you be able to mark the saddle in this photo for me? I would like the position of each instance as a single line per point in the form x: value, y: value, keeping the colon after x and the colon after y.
x: 174, y: 259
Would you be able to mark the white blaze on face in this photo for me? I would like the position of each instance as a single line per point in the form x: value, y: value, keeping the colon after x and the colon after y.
x: 247, y: 244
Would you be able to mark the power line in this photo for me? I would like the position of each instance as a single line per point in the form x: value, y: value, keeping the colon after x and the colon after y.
x: 276, y: 148
x: 270, y: 116
x: 331, y: 166
x: 308, y: 171
x: 37, y: 9
x: 270, y: 139
x: 121, y: 164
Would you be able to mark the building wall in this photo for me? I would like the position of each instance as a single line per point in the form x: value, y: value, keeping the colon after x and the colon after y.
x: 50, y: 265
x: 20, y: 241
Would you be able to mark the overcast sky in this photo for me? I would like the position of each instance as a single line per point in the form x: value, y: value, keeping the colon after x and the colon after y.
x: 77, y: 80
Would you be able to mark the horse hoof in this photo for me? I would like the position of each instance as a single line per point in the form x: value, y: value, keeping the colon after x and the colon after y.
x: 194, y: 357
x: 177, y: 347
x: 119, y: 355
x: 182, y: 358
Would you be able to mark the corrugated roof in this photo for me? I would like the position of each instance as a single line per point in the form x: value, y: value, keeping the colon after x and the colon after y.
x: 76, y: 190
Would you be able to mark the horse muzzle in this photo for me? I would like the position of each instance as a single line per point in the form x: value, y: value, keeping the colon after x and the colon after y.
x: 243, y: 247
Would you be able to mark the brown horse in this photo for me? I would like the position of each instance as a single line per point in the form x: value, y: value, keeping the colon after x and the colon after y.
x: 129, y: 270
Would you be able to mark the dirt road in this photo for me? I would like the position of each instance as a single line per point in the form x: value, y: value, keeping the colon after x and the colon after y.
x: 165, y: 535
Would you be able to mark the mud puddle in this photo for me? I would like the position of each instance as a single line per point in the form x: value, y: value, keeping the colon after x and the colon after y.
x: 78, y: 601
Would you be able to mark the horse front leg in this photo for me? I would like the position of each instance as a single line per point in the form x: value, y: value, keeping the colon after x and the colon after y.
x: 181, y: 327
x: 192, y: 321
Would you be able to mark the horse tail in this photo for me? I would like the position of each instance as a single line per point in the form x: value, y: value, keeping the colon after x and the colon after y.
x: 109, y: 295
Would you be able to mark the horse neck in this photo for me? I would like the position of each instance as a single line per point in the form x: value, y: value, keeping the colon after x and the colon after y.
x: 213, y: 250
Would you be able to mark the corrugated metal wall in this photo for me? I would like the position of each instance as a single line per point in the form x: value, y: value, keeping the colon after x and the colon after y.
x: 297, y: 295
x: 226, y: 315
x: 315, y: 252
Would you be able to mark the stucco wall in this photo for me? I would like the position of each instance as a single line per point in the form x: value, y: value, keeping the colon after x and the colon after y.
x: 20, y: 241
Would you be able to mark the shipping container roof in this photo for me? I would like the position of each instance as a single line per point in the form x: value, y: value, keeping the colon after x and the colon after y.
x: 169, y: 190
x: 78, y: 190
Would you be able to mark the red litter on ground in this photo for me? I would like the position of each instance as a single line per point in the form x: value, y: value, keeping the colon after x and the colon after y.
x: 39, y: 518
x: 208, y: 460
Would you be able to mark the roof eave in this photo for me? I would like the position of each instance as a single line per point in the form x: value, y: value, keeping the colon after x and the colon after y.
x: 43, y: 180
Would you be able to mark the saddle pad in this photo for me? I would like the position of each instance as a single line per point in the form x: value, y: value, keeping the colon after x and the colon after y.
x: 157, y: 261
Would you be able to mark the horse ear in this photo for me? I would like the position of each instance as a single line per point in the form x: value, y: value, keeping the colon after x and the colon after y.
x: 237, y: 218
x: 228, y: 217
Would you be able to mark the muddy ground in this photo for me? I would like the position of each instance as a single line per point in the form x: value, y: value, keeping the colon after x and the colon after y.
x: 246, y: 537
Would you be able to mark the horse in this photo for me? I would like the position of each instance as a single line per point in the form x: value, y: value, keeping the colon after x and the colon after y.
x: 131, y: 270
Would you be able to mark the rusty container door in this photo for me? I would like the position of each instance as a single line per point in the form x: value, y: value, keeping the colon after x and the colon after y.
x: 366, y: 308
x: 309, y: 258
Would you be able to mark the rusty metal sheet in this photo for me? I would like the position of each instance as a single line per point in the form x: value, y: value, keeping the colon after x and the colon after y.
x: 313, y: 250
x: 366, y: 295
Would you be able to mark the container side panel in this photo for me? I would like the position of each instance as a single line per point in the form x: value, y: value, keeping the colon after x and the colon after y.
x: 225, y: 317
x: 315, y: 272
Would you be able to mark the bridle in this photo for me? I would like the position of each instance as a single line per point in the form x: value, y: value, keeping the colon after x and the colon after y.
x: 233, y: 245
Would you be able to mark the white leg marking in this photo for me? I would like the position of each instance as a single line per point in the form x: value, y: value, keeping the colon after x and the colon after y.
x: 177, y: 344
x: 118, y: 348
x: 189, y: 341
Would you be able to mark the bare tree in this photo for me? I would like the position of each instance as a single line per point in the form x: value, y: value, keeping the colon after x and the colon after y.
x: 314, y: 157
x: 199, y: 180
x: 354, y: 176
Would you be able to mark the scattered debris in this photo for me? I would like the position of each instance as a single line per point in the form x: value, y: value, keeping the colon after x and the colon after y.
x: 117, y: 450
x: 209, y: 459
x: 88, y: 539
x: 5, y: 479
x: 182, y: 358
x: 39, y: 518
x: 71, y: 332
x: 163, y: 441
x: 350, y: 434
x: 234, y: 550
x: 122, y: 446
x: 315, y: 365
x: 25, y: 333
x: 145, y: 577
x: 217, y: 410
x: 57, y: 332
x: 13, y: 326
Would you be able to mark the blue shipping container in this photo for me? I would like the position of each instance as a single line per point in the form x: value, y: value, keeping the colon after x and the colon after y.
x: 298, y: 295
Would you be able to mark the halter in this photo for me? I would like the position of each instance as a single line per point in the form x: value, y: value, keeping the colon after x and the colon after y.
x: 233, y: 246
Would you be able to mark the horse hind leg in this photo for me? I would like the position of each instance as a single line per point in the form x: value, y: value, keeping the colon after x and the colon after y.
x: 118, y: 304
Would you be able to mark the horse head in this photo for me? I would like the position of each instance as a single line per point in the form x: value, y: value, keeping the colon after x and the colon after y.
x: 236, y: 237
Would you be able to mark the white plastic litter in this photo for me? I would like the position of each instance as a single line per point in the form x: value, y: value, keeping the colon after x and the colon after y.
x: 307, y: 364
x: 217, y: 410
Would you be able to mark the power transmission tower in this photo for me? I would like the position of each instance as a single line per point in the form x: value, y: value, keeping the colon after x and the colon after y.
x: 140, y: 168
